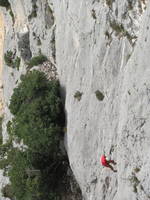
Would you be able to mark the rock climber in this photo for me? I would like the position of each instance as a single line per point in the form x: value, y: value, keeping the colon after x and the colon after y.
x: 106, y: 163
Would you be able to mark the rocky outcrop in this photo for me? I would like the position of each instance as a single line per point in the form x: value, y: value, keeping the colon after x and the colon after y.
x: 101, y: 52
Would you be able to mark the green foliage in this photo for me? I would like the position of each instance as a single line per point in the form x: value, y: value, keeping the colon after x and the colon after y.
x: 99, y: 95
x: 17, y: 63
x: 17, y: 173
x: 134, y: 181
x: 118, y: 28
x: 93, y: 13
x: 4, y: 163
x: 1, y: 137
x: 37, y: 60
x: 34, y: 11
x: 4, y: 149
x: 136, y: 170
x: 78, y: 95
x: 121, y: 31
x: 8, y: 57
x: 8, y: 192
x: 4, y: 3
x: 32, y: 15
x: 12, y: 15
x: 11, y: 61
x: 36, y: 171
x: 109, y: 3
x: 130, y: 5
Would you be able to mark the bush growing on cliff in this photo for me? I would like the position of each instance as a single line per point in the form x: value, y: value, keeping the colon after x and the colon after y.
x: 1, y: 139
x: 4, y: 3
x: 7, y: 191
x: 38, y: 120
x: 12, y: 15
x: 8, y: 57
x: 99, y: 95
x: 78, y: 95
x: 37, y: 60
x: 17, y: 63
x: 109, y: 3
x: 34, y: 11
x: 11, y: 61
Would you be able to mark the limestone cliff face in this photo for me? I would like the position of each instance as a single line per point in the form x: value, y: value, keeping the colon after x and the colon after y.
x: 99, y: 47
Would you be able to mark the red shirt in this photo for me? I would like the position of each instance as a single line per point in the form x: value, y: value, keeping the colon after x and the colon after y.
x: 103, y: 160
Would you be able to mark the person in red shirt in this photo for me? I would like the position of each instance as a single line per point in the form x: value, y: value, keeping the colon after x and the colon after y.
x: 106, y: 163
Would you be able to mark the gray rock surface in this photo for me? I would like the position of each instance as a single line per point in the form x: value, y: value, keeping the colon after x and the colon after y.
x: 96, y: 45
x: 101, y: 47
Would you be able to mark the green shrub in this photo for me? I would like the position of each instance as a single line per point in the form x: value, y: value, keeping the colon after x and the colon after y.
x: 4, y: 3
x: 4, y: 163
x: 136, y: 170
x: 32, y: 15
x: 99, y: 95
x: 93, y: 13
x: 121, y: 31
x: 12, y: 15
x: 8, y: 192
x: 1, y: 137
x: 134, y: 181
x: 118, y: 28
x: 17, y: 63
x: 130, y: 5
x: 109, y: 3
x: 78, y: 95
x: 34, y: 11
x: 37, y: 171
x: 37, y: 60
x: 8, y: 57
x: 11, y: 61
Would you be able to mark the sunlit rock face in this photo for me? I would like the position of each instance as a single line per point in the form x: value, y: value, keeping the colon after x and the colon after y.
x: 103, y: 46
x: 101, y: 51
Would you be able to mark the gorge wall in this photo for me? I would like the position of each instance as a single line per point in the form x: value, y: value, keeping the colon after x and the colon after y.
x: 101, y: 51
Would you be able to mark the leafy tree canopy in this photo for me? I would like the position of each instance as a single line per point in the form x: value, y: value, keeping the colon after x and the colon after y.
x: 36, y: 170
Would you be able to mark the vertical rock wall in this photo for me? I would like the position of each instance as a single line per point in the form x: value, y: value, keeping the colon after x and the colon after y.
x: 102, y: 46
x: 1, y: 60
